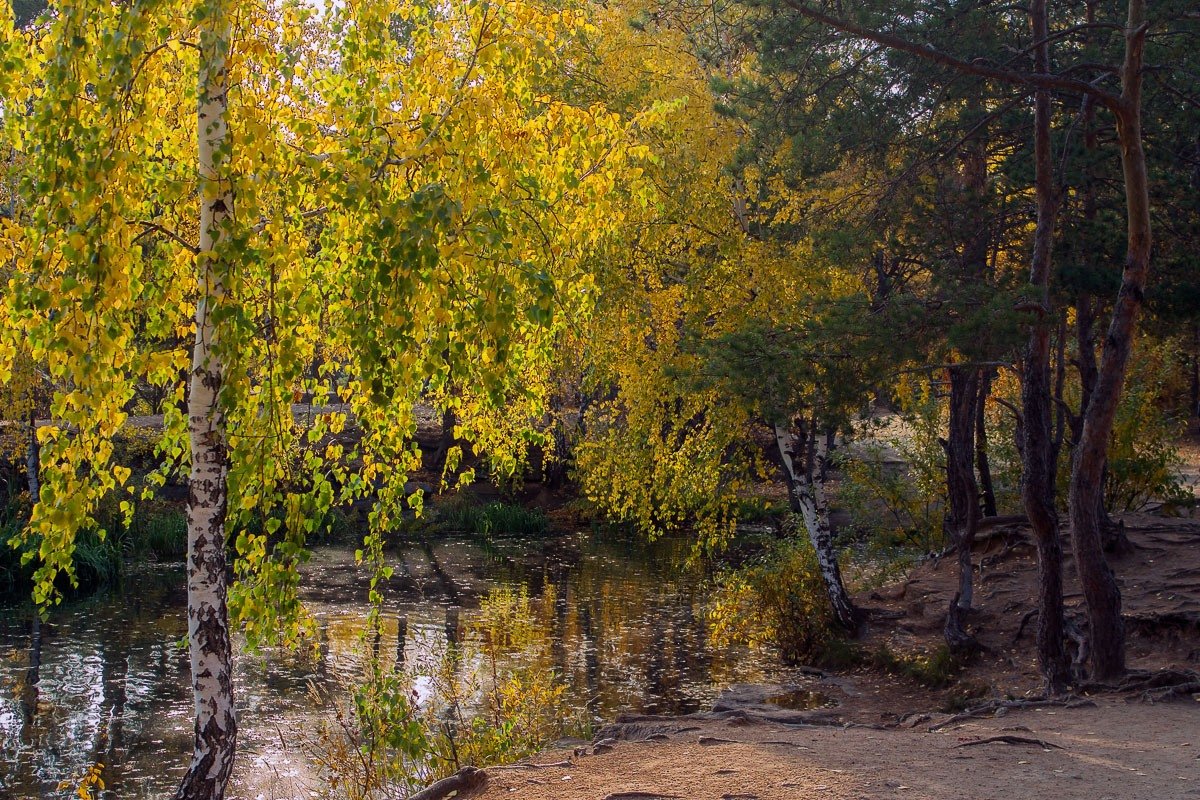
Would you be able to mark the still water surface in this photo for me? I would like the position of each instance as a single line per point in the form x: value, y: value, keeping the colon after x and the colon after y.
x: 105, y: 679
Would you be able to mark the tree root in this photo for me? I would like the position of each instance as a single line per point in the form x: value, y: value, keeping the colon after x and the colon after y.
x: 640, y: 796
x: 1030, y: 614
x: 1012, y: 740
x: 996, y: 706
x: 551, y: 765
x: 463, y: 783
x: 709, y: 741
x: 1155, y: 687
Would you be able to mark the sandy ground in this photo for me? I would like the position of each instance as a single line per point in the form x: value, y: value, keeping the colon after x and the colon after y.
x: 1117, y: 750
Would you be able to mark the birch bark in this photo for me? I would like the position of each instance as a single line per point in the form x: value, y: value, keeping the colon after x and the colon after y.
x: 807, y: 495
x: 208, y: 620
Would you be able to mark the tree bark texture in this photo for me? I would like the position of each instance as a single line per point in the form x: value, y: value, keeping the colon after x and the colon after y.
x: 1038, y: 449
x: 1105, y: 628
x: 208, y: 622
x: 807, y: 497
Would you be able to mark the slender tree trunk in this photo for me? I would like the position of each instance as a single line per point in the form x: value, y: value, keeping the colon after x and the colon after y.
x: 208, y: 622
x: 33, y: 459
x: 987, y: 489
x: 1087, y: 308
x: 1038, y: 446
x: 807, y: 497
x: 963, y: 517
x: 446, y: 441
x: 1105, y: 627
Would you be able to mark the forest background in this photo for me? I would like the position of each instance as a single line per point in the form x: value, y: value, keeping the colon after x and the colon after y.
x: 668, y: 250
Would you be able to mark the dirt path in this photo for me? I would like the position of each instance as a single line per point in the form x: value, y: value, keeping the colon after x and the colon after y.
x: 1116, y: 750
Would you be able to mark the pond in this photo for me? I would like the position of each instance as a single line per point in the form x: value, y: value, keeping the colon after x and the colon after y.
x: 105, y: 679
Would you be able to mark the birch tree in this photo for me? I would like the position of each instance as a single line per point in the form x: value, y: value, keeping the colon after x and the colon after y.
x: 209, y: 647
x: 380, y: 205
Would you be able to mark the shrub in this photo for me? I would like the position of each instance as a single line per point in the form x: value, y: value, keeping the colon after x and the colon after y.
x: 893, y: 481
x: 493, y: 698
x: 1143, y: 456
x: 779, y: 599
x: 933, y: 670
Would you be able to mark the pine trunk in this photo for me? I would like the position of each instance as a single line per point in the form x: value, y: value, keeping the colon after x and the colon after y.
x: 208, y: 621
x: 1105, y: 627
x: 963, y: 517
x: 808, y: 501
x: 1038, y: 448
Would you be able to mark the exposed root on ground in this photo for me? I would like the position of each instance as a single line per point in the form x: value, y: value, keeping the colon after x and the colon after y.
x: 996, y: 706
x: 1012, y: 740
x: 1154, y: 686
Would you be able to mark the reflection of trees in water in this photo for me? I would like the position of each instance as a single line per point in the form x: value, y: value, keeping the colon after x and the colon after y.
x: 624, y: 628
x: 83, y: 693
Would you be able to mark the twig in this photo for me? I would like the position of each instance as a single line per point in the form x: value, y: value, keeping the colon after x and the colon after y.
x: 153, y: 227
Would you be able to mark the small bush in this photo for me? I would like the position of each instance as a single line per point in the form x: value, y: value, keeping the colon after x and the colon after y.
x: 777, y: 599
x: 509, y: 705
x: 933, y: 670
x: 1143, y: 457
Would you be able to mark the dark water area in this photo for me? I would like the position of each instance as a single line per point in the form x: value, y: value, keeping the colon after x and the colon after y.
x: 106, y: 679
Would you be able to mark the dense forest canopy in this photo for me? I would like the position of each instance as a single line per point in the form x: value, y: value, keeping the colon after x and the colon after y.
x: 666, y: 251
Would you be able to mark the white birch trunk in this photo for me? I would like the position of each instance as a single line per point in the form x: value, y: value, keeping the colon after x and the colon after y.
x: 208, y: 621
x: 808, y: 500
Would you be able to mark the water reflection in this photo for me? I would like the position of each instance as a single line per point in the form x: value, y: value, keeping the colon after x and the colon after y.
x: 106, y: 680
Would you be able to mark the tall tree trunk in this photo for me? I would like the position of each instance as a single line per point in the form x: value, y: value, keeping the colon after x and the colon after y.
x: 208, y: 621
x: 1038, y: 446
x: 1087, y: 308
x: 807, y: 497
x: 986, y: 487
x: 1105, y: 627
x: 963, y: 517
